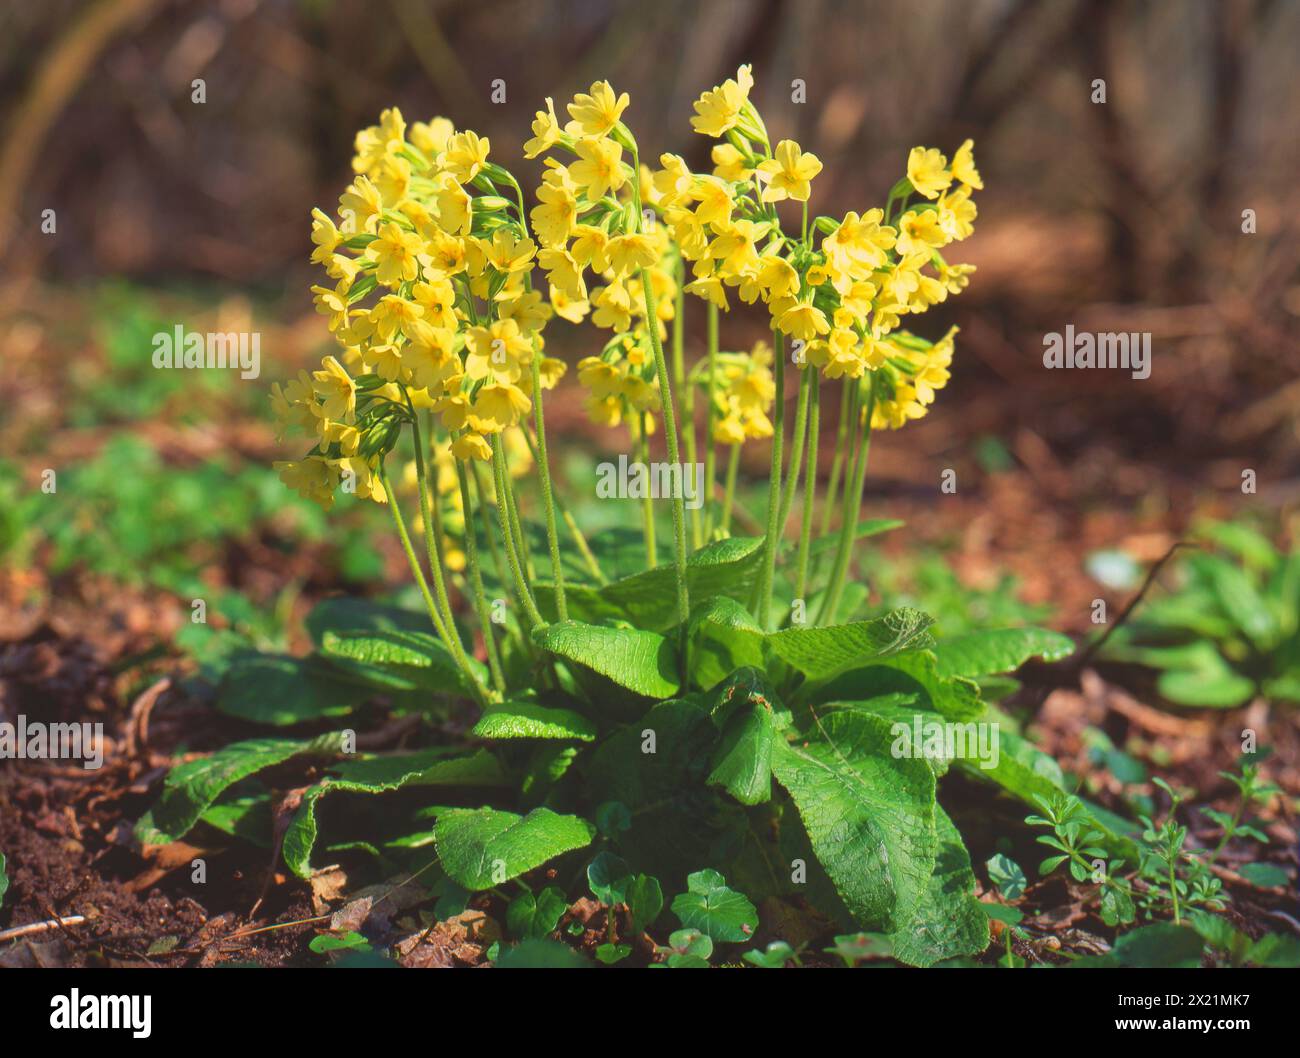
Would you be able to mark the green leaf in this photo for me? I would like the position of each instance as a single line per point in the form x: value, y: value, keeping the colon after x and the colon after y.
x: 483, y: 847
x: 1203, y: 679
x: 540, y: 955
x: 4, y: 880
x: 349, y: 941
x: 375, y: 775
x: 520, y: 719
x: 609, y: 879
x: 724, y: 637
x: 609, y: 954
x: 343, y: 612
x: 283, y: 690
x: 1005, y: 873
x: 1274, y: 950
x: 999, y: 650
x: 643, y: 662
x: 529, y: 916
x: 870, y: 817
x: 645, y: 899
x: 1264, y: 875
x: 721, y: 914
x: 191, y: 787
x: 773, y: 957
x: 865, y: 528
x: 1161, y: 945
x: 742, y: 763
x: 948, y: 921
x: 823, y: 652
x: 956, y: 697
x: 417, y: 659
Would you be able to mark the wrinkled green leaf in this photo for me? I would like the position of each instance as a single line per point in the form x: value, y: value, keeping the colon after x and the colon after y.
x: 643, y: 662
x: 720, y: 913
x: 999, y: 650
x: 823, y: 652
x: 483, y: 847
x: 870, y: 817
x: 520, y: 719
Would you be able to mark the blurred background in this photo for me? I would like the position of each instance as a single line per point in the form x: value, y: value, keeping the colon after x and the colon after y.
x: 1124, y: 216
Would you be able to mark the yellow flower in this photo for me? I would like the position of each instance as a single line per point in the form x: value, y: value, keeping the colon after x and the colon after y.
x: 858, y: 245
x: 919, y: 232
x: 555, y: 215
x: 506, y: 252
x: 598, y: 112
x: 599, y: 167
x: 605, y: 411
x: 927, y: 169
x: 471, y: 446
x: 564, y: 273
x: 956, y: 214
x: 324, y: 235
x: 718, y: 110
x: 591, y: 247
x: 366, y: 483
x: 360, y: 206
x: 574, y: 310
x: 393, y: 179
x: 546, y: 131
x: 314, y: 478
x: 710, y: 288
x: 498, y: 405
x: 337, y: 391
x: 673, y: 181
x: 465, y: 154
x: 528, y: 310
x: 455, y: 212
x: 437, y: 298
x: 613, y: 307
x: 715, y: 201
x: 333, y: 303
x: 956, y: 277
x: 729, y: 164
x: 292, y: 404
x: 631, y: 253
x: 446, y: 253
x: 800, y: 319
x: 386, y: 359
x: 432, y: 137
x: 963, y: 166
x: 497, y: 351
x: 789, y: 174
x: 394, y: 251
x: 551, y: 370
x: 394, y: 313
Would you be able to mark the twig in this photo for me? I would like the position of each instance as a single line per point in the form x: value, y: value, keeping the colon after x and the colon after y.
x: 1154, y: 572
x: 40, y: 927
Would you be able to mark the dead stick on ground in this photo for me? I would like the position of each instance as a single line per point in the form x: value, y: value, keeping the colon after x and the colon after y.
x: 40, y: 927
x: 1154, y: 572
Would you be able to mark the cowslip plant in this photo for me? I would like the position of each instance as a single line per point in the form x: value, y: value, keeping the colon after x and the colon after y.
x: 709, y: 711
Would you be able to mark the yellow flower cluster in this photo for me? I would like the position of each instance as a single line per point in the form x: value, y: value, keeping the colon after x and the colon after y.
x: 430, y: 301
x: 842, y: 299
x: 743, y: 395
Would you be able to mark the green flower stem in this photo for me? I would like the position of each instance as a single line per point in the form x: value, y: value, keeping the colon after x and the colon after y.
x: 796, y: 449
x: 710, y: 452
x: 687, y: 392
x: 809, y: 485
x: 674, y: 454
x: 476, y: 584
x: 774, y: 487
x: 852, y: 502
x: 584, y: 549
x: 481, y: 492
x: 729, y: 492
x: 648, y: 503
x: 522, y: 593
x: 522, y: 550
x: 450, y: 635
x: 544, y: 476
x: 412, y: 560
x: 837, y: 462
